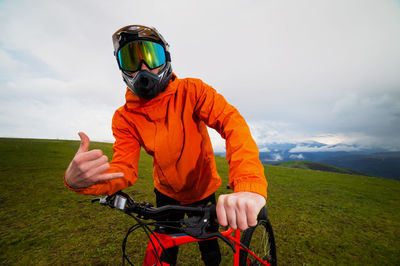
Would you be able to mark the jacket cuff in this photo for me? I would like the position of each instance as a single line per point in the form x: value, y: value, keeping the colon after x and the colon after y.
x: 259, y: 188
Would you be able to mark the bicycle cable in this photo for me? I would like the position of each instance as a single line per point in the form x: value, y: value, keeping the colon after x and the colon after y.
x: 124, y: 256
x: 146, y: 229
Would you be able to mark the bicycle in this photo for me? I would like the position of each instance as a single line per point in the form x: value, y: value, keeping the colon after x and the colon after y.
x: 256, y: 246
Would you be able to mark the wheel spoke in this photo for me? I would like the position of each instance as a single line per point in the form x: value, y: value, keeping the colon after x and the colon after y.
x: 260, y: 240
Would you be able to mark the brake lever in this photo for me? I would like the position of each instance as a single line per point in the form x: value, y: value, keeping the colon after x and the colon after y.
x: 198, y: 231
x: 102, y: 201
x: 110, y: 200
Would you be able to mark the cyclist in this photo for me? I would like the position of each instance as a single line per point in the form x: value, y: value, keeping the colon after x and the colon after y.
x: 167, y: 116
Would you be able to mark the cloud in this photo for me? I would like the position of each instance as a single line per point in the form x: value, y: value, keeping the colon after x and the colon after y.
x: 277, y: 157
x: 217, y: 141
x: 264, y: 149
x: 6, y: 61
x: 35, y: 119
x: 296, y: 156
x: 374, y: 113
x: 315, y: 68
x: 327, y: 148
x: 271, y: 131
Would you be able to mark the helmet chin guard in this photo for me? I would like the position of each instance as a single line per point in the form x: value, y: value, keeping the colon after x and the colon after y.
x: 147, y: 85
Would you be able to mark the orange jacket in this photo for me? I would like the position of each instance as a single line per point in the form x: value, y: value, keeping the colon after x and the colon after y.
x: 172, y: 128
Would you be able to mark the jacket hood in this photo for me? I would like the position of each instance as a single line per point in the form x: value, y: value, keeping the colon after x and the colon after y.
x: 133, y: 101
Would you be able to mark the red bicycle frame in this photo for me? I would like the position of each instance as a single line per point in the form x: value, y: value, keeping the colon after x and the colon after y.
x: 154, y: 248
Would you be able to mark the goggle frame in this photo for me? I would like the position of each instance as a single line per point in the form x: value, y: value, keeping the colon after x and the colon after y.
x: 126, y: 41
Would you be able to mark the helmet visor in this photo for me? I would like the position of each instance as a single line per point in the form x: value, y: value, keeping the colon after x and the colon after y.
x: 131, y: 54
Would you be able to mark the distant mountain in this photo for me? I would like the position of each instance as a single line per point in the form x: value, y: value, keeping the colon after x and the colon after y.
x: 376, y: 162
x: 286, y: 155
x: 318, y: 166
x: 384, y: 164
x: 310, y: 151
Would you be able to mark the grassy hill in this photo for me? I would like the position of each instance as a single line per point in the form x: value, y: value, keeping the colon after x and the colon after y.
x: 318, y: 217
x: 318, y: 166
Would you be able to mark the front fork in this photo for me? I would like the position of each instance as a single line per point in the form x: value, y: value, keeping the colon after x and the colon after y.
x: 237, y: 253
x: 151, y: 258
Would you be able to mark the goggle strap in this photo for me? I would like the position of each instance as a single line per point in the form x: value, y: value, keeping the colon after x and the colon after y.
x: 167, y: 56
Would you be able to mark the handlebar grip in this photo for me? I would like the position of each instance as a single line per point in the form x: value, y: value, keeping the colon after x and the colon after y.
x: 213, y: 212
x: 263, y: 214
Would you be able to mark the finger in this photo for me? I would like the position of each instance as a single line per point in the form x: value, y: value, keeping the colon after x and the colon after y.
x: 254, y: 207
x: 109, y: 176
x: 89, y: 156
x: 95, y: 172
x: 93, y: 162
x: 231, y: 212
x: 85, y: 142
x: 221, y: 214
x: 241, y: 215
x: 251, y: 214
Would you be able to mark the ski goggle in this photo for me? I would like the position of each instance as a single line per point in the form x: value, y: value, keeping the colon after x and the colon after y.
x: 132, y: 54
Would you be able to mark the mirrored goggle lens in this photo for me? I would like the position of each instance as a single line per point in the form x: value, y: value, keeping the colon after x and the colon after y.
x: 131, y: 54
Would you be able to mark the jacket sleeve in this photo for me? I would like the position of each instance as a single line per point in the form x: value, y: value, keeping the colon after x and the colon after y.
x: 125, y: 159
x: 246, y: 173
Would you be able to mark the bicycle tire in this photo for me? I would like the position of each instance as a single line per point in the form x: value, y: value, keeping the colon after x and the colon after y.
x: 260, y: 240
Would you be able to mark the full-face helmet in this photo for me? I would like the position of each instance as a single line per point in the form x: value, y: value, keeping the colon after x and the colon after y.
x: 135, y: 45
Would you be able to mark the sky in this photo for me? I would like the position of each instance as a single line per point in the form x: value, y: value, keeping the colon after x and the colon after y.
x: 298, y: 71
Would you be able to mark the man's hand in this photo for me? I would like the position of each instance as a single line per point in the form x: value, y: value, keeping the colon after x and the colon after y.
x: 88, y: 167
x: 239, y: 210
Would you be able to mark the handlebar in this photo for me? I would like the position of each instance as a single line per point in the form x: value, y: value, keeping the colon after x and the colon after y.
x: 197, y: 225
x: 145, y: 210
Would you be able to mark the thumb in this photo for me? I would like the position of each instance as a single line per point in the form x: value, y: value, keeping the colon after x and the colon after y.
x: 85, y: 142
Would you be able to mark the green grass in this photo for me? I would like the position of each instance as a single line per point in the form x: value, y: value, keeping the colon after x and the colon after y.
x: 318, y: 217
